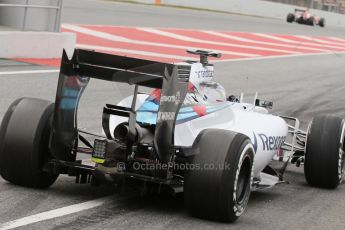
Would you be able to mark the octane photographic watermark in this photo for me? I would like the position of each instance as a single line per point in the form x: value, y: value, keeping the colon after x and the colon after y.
x: 174, y: 166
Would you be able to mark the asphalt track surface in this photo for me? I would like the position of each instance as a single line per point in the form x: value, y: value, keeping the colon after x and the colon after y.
x: 299, y: 86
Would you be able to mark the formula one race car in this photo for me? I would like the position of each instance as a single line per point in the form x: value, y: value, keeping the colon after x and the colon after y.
x: 304, y: 17
x: 186, y: 136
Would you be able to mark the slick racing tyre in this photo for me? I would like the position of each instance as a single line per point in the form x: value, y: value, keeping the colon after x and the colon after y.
x: 322, y: 22
x: 324, y: 157
x: 24, y: 137
x: 290, y: 18
x: 310, y: 21
x: 219, y: 189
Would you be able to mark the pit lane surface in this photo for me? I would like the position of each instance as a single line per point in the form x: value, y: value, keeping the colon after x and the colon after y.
x: 300, y: 86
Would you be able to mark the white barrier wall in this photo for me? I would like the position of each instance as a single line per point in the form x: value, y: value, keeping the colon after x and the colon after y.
x: 30, y: 19
x: 16, y: 44
x: 37, y: 26
x: 250, y: 7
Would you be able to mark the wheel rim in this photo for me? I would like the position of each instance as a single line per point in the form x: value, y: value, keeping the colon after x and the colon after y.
x: 341, y: 153
x: 243, y: 182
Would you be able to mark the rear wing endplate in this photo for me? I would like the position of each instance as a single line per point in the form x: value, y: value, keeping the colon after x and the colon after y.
x: 74, y: 77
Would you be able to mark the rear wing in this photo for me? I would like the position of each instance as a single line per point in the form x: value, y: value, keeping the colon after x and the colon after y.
x: 300, y: 10
x: 114, y: 68
x: 74, y: 77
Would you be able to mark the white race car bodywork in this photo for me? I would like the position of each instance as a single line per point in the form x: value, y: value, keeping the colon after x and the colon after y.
x: 267, y: 132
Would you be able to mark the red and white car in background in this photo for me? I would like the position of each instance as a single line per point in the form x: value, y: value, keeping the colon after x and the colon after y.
x: 305, y: 17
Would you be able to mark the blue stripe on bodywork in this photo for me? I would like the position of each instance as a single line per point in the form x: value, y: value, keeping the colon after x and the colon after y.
x: 147, y: 113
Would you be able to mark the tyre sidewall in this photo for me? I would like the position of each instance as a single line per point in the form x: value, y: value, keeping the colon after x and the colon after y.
x: 210, y: 193
x: 3, y: 128
x: 25, y: 136
x: 323, y: 158
x: 230, y: 177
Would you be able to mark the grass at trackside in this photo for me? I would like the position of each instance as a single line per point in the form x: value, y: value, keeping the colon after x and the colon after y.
x: 187, y: 8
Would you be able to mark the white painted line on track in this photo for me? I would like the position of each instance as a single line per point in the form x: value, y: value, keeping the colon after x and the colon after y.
x: 274, y: 38
x: 53, y: 214
x: 138, y: 52
x: 301, y: 43
x: 96, y: 33
x: 116, y: 38
x: 220, y: 34
x: 329, y: 43
x: 277, y: 57
x: 29, y: 72
x: 190, y: 39
x: 337, y: 39
x: 109, y: 49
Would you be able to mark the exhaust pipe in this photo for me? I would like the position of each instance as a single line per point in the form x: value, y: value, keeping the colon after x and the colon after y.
x: 143, y: 135
x: 121, y: 132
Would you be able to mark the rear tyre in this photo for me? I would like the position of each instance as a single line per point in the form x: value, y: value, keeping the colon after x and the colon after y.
x: 218, y: 188
x: 24, y: 137
x: 322, y: 22
x: 310, y: 21
x: 290, y: 18
x: 324, y: 157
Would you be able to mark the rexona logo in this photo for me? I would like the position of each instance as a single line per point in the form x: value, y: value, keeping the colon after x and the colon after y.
x: 166, y: 116
x: 172, y: 99
x: 204, y: 73
x: 271, y: 143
